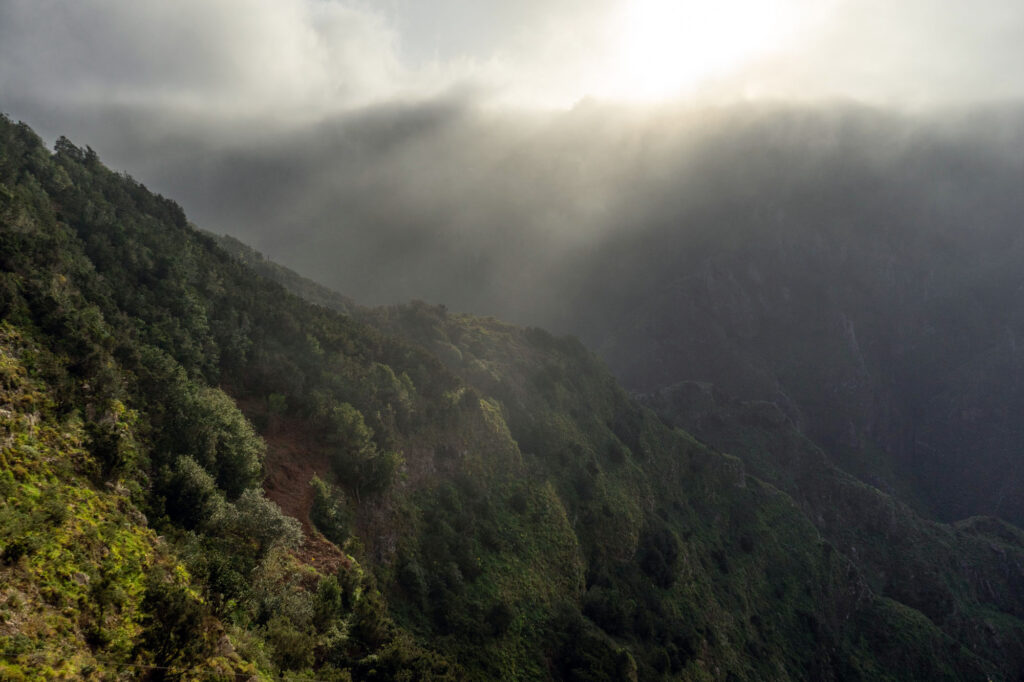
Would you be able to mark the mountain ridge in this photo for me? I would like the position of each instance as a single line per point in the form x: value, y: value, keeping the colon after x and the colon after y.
x: 795, y: 456
x: 504, y: 509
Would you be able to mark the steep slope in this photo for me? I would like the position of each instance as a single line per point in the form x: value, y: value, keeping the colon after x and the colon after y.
x: 858, y: 266
x: 79, y: 563
x: 861, y: 272
x: 127, y: 321
x: 512, y: 515
x: 887, y: 565
x: 290, y: 280
x: 944, y: 572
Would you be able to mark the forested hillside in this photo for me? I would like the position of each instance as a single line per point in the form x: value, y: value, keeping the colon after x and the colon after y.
x: 857, y: 265
x: 206, y: 477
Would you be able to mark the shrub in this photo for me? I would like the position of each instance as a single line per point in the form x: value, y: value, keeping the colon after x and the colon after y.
x: 172, y: 623
x: 224, y: 441
x: 328, y: 604
x: 292, y: 648
x: 356, y: 459
x: 256, y: 520
x: 329, y: 512
x: 371, y: 628
x: 413, y: 580
x: 190, y: 494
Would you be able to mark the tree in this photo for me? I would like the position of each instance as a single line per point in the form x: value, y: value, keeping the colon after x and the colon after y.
x: 220, y: 438
x: 329, y: 512
x: 191, y: 495
x: 258, y: 521
x: 356, y: 459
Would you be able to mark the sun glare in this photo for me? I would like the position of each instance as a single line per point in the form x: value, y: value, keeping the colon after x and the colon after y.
x: 669, y: 47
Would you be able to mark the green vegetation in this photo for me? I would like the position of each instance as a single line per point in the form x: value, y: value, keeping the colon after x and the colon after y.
x: 698, y: 569
x: 124, y: 332
x: 329, y: 511
x: 172, y: 421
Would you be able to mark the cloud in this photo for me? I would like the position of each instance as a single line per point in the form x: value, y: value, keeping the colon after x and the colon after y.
x: 236, y: 64
x: 361, y: 144
x: 910, y: 53
x: 248, y: 59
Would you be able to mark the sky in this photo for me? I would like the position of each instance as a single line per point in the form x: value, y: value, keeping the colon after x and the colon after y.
x: 296, y: 61
x: 374, y: 145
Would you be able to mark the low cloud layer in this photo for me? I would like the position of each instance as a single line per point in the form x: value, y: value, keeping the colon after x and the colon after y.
x: 825, y: 222
x: 501, y: 214
x: 389, y: 150
x: 194, y: 61
x: 293, y: 62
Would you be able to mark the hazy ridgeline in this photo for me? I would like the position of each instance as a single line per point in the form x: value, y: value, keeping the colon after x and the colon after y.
x: 486, y: 211
x: 490, y: 503
x: 762, y: 419
x: 857, y: 266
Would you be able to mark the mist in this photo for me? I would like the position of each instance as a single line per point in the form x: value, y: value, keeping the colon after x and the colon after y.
x: 645, y: 338
x: 856, y: 266
x: 478, y: 159
x: 495, y: 213
x: 830, y: 224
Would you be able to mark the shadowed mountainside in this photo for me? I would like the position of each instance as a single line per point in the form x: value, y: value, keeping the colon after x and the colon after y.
x: 857, y: 266
x: 862, y: 273
x: 499, y: 507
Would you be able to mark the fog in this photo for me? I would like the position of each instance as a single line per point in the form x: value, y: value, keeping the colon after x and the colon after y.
x: 494, y: 213
x: 476, y: 157
x: 830, y: 222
